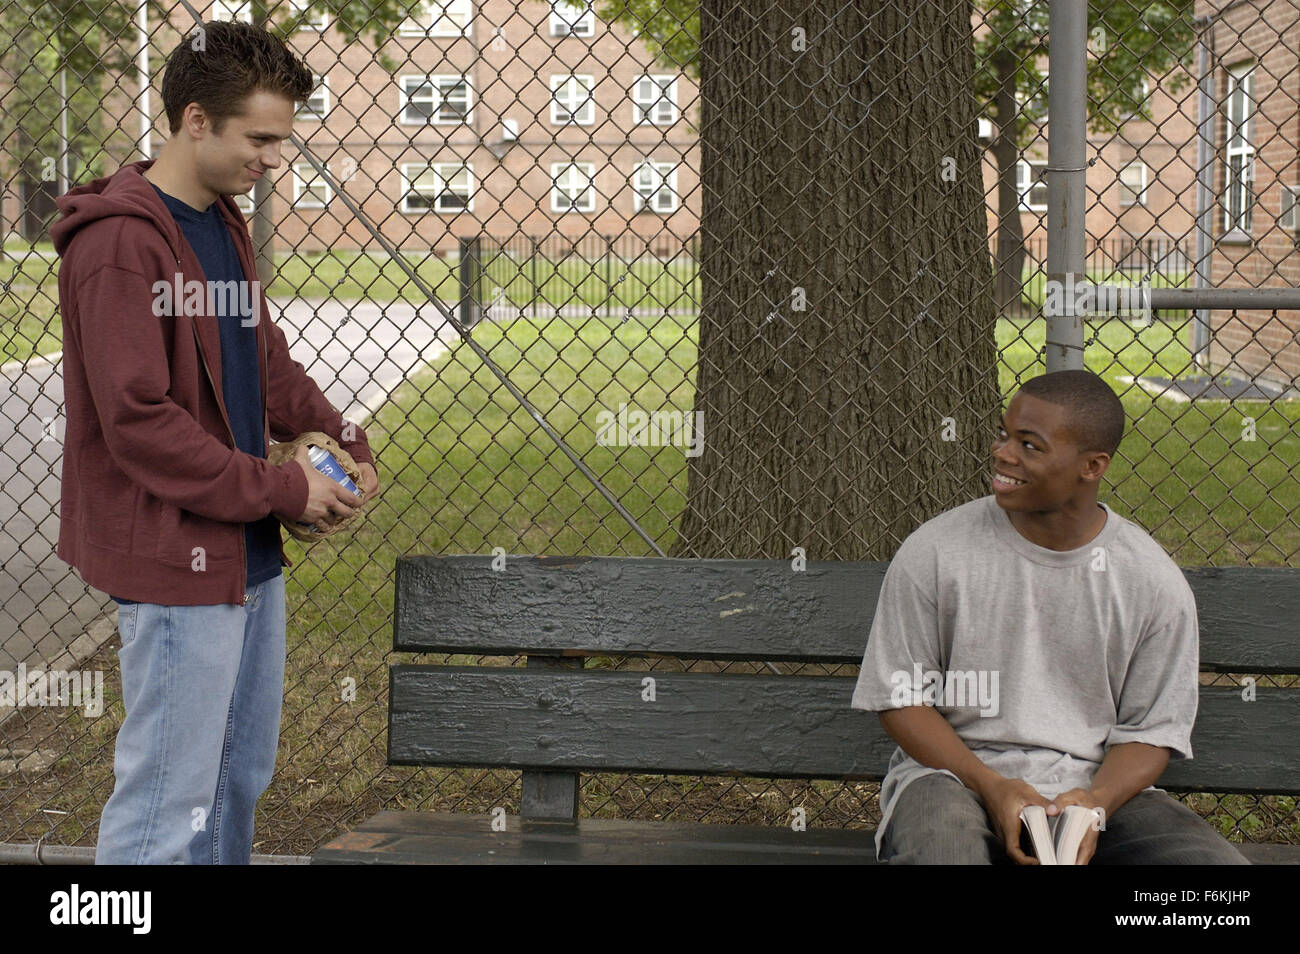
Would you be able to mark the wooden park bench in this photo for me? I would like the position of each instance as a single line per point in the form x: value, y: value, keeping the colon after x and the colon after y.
x: 555, y: 719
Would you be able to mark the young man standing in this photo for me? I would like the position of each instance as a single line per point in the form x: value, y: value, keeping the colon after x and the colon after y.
x: 1091, y: 631
x: 175, y: 382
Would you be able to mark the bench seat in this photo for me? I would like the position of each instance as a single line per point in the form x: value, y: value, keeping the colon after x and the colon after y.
x: 411, y: 838
x: 565, y: 713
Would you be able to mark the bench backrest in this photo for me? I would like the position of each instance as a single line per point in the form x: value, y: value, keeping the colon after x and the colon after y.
x: 555, y: 718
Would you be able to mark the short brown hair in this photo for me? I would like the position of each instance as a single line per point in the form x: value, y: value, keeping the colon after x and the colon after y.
x: 235, y: 60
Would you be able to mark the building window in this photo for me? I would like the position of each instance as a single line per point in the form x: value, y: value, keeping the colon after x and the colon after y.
x: 571, y: 187
x: 1290, y: 217
x: 227, y: 11
x: 654, y: 187
x: 1240, y: 170
x: 1033, y: 108
x: 442, y: 100
x: 572, y: 18
x: 317, y: 105
x: 571, y: 100
x: 1133, y: 184
x: 310, y: 190
x: 1142, y: 96
x: 654, y: 100
x: 316, y: 20
x: 437, y: 187
x: 245, y: 202
x: 450, y: 18
x: 1031, y: 182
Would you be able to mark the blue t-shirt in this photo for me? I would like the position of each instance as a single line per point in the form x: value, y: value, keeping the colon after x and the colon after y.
x: 240, y: 382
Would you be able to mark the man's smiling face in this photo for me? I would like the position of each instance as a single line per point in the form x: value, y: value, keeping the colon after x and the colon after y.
x: 248, y: 146
x: 1037, y: 452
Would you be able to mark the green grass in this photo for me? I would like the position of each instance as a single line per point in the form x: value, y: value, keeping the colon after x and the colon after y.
x: 29, y: 294
x: 29, y: 302
x: 1203, y: 491
x: 1185, y: 472
x: 465, y: 470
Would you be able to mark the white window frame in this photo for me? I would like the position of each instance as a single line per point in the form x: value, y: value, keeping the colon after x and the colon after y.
x: 654, y: 101
x: 322, y: 89
x: 1025, y: 184
x: 1238, y: 146
x: 647, y: 190
x: 317, y: 21
x: 566, y: 24
x: 566, y: 85
x: 226, y: 12
x: 443, y: 173
x: 584, y: 169
x: 448, y: 18
x: 245, y: 202
x: 304, y: 174
x: 1289, y: 215
x: 1136, y: 196
x: 436, y: 99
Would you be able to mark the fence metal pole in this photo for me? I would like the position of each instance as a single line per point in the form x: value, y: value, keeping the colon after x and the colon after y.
x: 470, y: 309
x: 1204, y: 185
x: 1066, y: 169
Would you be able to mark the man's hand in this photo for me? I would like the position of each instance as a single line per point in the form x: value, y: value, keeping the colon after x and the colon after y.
x: 1003, y: 800
x: 369, y: 480
x: 1088, y: 799
x: 327, y: 500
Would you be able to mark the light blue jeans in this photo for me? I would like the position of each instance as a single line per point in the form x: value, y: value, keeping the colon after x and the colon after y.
x: 203, y: 688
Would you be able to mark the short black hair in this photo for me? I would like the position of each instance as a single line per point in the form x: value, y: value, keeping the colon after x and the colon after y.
x: 1095, y: 413
x: 233, y: 61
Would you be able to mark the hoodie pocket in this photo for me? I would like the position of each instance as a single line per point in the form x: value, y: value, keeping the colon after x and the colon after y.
x: 110, y: 514
x: 187, y: 539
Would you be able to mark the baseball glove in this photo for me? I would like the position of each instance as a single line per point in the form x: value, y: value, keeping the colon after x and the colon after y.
x: 286, y: 451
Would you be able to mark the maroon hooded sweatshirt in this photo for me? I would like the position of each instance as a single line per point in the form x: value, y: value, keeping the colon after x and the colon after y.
x: 150, y: 467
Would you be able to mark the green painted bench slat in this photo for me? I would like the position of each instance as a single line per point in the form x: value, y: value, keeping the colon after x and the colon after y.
x: 751, y: 609
x: 756, y: 725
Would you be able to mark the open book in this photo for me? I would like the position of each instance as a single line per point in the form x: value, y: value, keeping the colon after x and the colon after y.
x: 1056, y: 839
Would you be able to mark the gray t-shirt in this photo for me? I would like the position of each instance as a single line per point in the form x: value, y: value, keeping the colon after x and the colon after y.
x: 1039, y: 659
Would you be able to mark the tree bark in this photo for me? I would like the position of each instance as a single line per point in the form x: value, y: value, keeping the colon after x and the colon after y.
x: 847, y: 173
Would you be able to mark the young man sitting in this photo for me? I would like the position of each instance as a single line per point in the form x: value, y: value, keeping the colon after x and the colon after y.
x: 1081, y: 622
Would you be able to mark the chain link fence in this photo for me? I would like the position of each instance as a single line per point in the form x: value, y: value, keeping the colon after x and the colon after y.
x: 528, y: 183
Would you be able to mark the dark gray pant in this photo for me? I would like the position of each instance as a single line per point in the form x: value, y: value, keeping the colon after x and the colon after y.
x: 939, y: 821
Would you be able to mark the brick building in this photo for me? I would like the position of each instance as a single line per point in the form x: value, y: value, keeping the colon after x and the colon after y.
x: 505, y: 117
x: 1253, y: 218
x: 1140, y: 187
x: 527, y: 117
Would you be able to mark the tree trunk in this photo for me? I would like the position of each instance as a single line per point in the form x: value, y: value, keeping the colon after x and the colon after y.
x: 847, y: 173
x: 1010, y: 257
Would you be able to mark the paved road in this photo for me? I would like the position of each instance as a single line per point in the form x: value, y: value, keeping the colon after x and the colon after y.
x: 48, y: 616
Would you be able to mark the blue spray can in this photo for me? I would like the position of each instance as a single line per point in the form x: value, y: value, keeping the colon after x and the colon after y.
x: 324, y: 461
